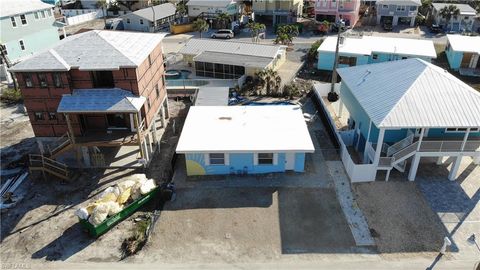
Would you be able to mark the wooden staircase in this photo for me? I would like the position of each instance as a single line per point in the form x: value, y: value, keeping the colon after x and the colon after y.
x: 48, y: 165
x: 60, y: 146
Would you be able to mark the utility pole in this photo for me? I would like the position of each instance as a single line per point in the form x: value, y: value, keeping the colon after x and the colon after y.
x: 332, y: 95
x: 154, y: 21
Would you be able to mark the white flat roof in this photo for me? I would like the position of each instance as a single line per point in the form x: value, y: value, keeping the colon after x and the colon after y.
x: 461, y: 43
x: 400, y: 2
x: 247, y: 129
x: 464, y: 8
x: 212, y: 96
x: 370, y: 44
x: 210, y: 3
x: 196, y: 46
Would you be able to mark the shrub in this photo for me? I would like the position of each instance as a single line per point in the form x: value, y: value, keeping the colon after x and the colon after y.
x: 11, y: 95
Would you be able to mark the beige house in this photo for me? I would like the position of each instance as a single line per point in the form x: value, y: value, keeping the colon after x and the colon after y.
x: 231, y: 60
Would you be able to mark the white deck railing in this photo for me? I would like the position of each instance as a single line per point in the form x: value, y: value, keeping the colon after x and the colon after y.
x: 400, y: 145
x: 357, y: 172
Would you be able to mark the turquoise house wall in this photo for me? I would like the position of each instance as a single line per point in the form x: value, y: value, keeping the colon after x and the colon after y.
x: 326, y: 59
x: 37, y: 34
x: 239, y: 163
x: 454, y: 58
x: 440, y: 132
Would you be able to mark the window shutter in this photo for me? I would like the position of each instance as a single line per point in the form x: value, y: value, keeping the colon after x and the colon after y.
x: 207, y: 159
x: 255, y: 159
x: 227, y: 159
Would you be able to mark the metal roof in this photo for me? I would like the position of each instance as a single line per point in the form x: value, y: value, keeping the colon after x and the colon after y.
x: 212, y: 96
x: 113, y: 100
x: 210, y: 3
x: 15, y: 7
x: 367, y: 45
x: 196, y: 46
x: 232, y: 59
x: 412, y: 93
x: 461, y: 43
x: 94, y: 50
x: 161, y: 11
x: 245, y: 129
x: 400, y: 2
x: 464, y: 8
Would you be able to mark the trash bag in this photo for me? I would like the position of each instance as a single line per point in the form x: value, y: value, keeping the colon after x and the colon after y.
x: 91, y: 207
x: 135, y: 192
x: 109, y: 197
x: 99, y: 214
x: 115, y: 190
x: 113, y: 208
x: 147, y: 186
x: 123, y: 186
x: 82, y: 213
x: 123, y: 198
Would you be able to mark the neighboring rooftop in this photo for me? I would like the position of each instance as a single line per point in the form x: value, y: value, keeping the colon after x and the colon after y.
x: 367, y: 45
x: 232, y: 59
x: 212, y: 96
x: 412, y: 93
x: 464, y: 8
x: 94, y: 50
x: 210, y: 3
x: 400, y: 2
x: 113, y: 100
x: 461, y: 43
x: 196, y: 46
x: 15, y: 7
x: 245, y: 129
x: 161, y: 11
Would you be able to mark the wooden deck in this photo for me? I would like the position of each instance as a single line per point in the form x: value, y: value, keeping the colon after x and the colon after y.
x: 103, y: 138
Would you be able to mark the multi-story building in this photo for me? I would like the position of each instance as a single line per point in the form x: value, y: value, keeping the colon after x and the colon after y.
x: 209, y: 10
x: 102, y: 88
x: 27, y: 27
x: 398, y: 12
x: 333, y: 11
x: 463, y: 22
x: 277, y: 11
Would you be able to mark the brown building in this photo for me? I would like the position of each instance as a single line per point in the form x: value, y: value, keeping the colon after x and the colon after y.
x: 97, y: 87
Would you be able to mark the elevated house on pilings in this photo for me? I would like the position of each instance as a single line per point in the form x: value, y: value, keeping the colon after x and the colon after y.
x: 402, y: 111
x: 97, y: 99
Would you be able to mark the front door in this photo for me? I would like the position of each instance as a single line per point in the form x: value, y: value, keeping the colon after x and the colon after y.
x: 117, y: 121
x: 289, y: 161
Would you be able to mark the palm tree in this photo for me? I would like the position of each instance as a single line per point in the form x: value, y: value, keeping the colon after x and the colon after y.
x: 255, y: 29
x: 181, y: 9
x: 224, y: 19
x: 286, y: 34
x: 102, y: 4
x: 200, y: 25
x: 269, y: 80
x: 449, y: 12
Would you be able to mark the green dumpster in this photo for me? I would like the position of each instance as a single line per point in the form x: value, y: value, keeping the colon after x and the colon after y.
x: 120, y: 216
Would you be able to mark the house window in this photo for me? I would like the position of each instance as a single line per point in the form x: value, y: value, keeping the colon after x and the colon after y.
x: 42, y: 78
x: 43, y: 13
x: 375, y: 56
x: 22, y: 44
x: 216, y: 159
x: 57, y: 79
x: 385, y: 6
x: 52, y: 116
x: 141, y: 21
x: 400, y: 8
x: 39, y: 116
x: 157, y: 90
x: 128, y: 20
x: 345, y: 60
x: 28, y: 80
x: 149, y: 61
x: 49, y: 12
x: 456, y: 130
x: 148, y: 103
x: 265, y: 159
x: 467, y: 18
x: 36, y: 15
x: 413, y: 8
x: 102, y: 79
x: 404, y: 57
x: 14, y: 22
x: 163, y: 80
x: 23, y: 19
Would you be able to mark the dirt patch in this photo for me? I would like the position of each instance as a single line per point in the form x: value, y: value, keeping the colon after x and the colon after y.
x: 400, y: 216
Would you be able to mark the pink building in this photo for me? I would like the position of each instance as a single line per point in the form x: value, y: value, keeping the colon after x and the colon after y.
x: 333, y: 10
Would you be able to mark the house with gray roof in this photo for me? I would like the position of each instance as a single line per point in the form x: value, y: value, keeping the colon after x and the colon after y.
x: 142, y: 19
x: 398, y: 12
x: 463, y: 22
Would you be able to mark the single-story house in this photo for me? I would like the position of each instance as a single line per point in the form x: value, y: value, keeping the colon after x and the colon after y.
x: 406, y: 110
x: 459, y: 23
x: 463, y: 54
x: 142, y: 19
x: 244, y: 140
x: 231, y: 60
x: 369, y: 49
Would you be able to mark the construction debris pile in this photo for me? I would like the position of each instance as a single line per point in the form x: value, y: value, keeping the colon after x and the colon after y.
x: 115, y: 198
x: 8, y: 192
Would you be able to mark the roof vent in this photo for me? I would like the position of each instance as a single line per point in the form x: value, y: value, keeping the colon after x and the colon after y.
x: 364, y: 78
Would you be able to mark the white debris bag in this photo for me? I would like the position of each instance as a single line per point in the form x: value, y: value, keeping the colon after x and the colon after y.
x: 99, y: 214
x: 82, y: 213
x: 135, y: 191
x: 148, y: 186
x: 113, y: 208
x: 125, y: 185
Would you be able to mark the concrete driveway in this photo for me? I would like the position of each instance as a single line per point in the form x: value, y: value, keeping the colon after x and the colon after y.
x: 248, y: 224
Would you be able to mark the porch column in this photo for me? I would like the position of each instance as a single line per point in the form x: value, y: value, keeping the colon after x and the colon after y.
x: 378, y: 151
x: 465, y: 138
x: 136, y: 118
x: 454, y: 170
x: 414, y: 167
x: 420, y: 139
x: 86, y: 156
x: 167, y: 108
x: 154, y: 132
x: 340, y: 108
x: 440, y: 160
x: 70, y: 129
x: 365, y: 156
x: 162, y: 115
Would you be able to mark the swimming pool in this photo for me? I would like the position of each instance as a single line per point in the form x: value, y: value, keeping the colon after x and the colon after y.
x: 174, y: 74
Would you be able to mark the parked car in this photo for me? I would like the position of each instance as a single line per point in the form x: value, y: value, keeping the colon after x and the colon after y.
x: 387, y: 26
x: 223, y: 33
x: 435, y: 28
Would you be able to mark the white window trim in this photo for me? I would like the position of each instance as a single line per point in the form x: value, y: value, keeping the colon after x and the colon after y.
x: 11, y: 22
x: 461, y: 131
x: 26, y: 21
x: 24, y: 46
x: 275, y: 159
x: 226, y: 157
